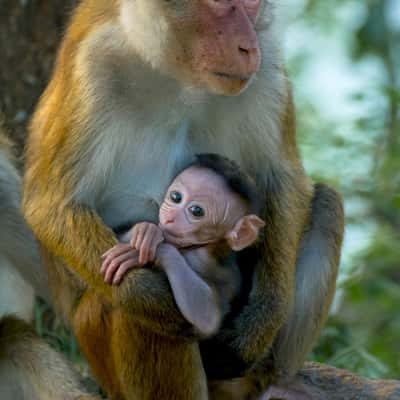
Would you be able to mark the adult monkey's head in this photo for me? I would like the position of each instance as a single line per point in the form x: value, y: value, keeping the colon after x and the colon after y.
x: 209, y: 44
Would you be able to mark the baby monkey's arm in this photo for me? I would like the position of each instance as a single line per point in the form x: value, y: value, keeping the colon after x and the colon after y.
x: 197, y: 301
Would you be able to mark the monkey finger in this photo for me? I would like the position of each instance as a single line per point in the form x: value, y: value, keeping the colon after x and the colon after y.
x: 152, y: 253
x: 156, y: 234
x: 117, y: 249
x: 112, y: 266
x: 153, y: 248
x: 143, y: 255
x: 122, y: 270
x: 106, y: 263
x: 115, y: 252
x: 135, y: 232
x: 145, y: 248
x: 110, y: 251
x: 129, y: 255
x: 138, y: 235
x: 103, y: 268
x: 109, y: 273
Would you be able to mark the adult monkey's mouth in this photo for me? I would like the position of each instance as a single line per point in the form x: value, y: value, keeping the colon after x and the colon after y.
x: 234, y: 77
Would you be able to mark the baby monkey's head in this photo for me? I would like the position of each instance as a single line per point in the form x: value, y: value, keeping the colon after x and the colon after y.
x: 210, y: 201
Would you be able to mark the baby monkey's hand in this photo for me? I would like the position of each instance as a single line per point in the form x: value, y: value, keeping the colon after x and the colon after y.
x: 146, y: 237
x: 117, y: 262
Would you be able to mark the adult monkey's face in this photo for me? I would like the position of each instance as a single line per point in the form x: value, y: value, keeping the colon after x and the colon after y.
x: 210, y: 44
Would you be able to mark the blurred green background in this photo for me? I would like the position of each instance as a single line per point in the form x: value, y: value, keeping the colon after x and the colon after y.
x: 344, y: 63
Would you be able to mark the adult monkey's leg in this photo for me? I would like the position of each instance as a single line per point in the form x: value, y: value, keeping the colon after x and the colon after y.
x: 132, y: 362
x: 316, y: 272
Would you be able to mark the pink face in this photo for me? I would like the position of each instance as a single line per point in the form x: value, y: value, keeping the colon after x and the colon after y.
x: 219, y: 42
x: 199, y: 208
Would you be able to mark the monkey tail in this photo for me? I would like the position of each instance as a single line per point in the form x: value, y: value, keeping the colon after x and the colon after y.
x: 30, y: 369
x: 316, y: 271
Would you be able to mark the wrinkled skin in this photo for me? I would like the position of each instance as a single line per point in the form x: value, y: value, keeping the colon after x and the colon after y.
x: 194, y: 190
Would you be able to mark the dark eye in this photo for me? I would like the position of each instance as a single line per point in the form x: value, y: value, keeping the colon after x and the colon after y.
x: 175, y: 197
x: 196, y: 211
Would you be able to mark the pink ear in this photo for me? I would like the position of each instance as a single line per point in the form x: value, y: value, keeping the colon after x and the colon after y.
x: 245, y: 232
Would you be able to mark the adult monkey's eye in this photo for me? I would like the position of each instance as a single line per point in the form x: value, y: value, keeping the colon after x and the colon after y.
x: 197, y: 211
x: 175, y: 197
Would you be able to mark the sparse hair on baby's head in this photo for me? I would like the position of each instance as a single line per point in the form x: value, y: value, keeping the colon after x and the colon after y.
x: 235, y: 178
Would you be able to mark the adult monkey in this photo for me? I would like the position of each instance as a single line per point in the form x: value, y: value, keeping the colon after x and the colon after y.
x: 139, y: 87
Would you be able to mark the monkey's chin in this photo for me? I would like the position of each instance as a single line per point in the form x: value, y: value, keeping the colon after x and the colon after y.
x: 173, y: 239
x: 227, y: 84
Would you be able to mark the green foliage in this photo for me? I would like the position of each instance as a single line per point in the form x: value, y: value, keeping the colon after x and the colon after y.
x: 57, y: 335
x: 359, y: 153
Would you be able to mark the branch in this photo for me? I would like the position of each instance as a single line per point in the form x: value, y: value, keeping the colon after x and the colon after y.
x: 328, y: 383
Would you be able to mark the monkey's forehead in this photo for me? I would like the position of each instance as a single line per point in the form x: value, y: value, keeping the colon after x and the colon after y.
x: 194, y: 177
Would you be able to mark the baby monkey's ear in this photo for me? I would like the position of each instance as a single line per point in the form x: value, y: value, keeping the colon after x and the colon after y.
x: 245, y: 232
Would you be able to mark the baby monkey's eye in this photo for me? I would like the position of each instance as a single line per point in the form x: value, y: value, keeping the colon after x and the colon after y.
x: 196, y: 211
x: 175, y: 197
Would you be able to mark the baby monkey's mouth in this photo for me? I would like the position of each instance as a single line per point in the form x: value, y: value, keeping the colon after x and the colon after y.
x: 181, y: 241
x: 176, y: 241
x: 170, y: 234
x: 171, y: 237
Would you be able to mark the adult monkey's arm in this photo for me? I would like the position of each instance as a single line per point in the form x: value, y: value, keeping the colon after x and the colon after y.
x: 76, y: 234
x: 295, y: 273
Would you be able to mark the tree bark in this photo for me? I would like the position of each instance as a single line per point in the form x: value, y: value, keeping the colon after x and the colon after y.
x: 323, y: 382
x: 30, y: 31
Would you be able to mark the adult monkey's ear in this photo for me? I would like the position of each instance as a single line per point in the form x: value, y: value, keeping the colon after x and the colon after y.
x: 245, y: 232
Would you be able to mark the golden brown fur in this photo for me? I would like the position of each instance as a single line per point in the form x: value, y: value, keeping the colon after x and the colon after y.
x: 111, y: 130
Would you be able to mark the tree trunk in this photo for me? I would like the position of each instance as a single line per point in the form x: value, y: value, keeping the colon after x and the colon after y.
x: 30, y: 31
x: 327, y: 383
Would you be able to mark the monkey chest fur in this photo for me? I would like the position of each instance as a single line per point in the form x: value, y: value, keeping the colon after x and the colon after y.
x: 145, y: 127
x: 136, y: 185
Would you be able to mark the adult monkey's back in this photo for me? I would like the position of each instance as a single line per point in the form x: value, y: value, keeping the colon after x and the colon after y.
x: 139, y: 87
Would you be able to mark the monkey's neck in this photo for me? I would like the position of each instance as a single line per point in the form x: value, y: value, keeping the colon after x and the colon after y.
x: 220, y: 250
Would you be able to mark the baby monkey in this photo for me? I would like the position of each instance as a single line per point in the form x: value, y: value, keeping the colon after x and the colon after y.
x: 207, y: 212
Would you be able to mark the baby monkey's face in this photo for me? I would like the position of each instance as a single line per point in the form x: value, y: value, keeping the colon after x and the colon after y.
x: 199, y: 208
